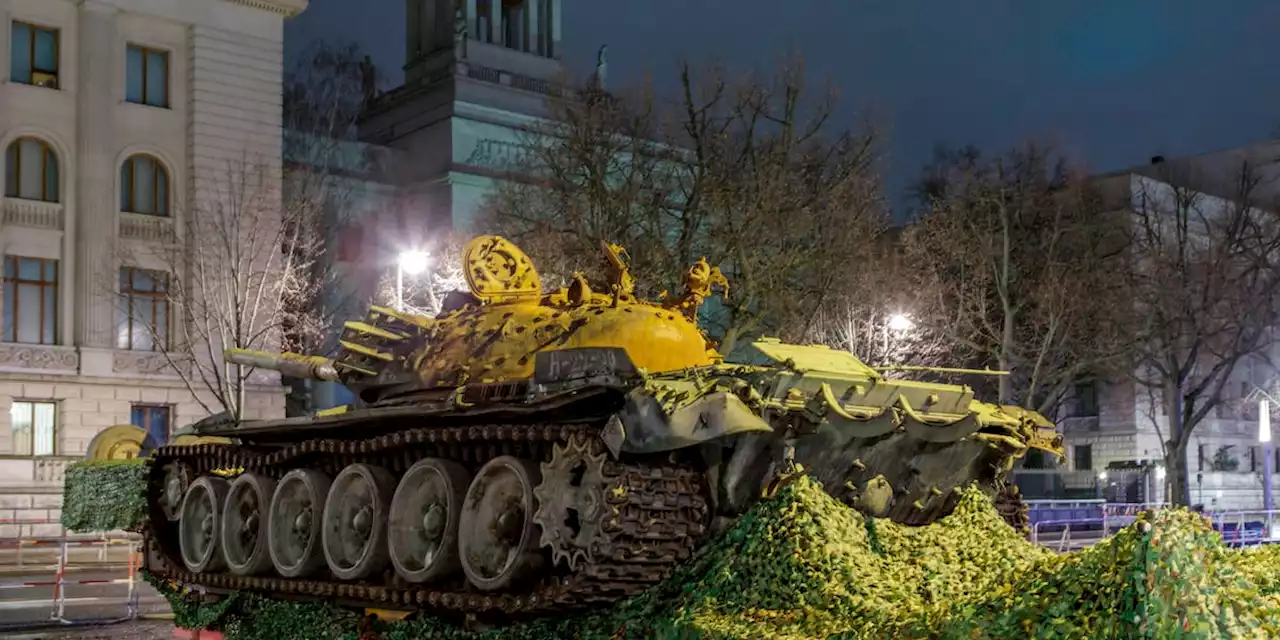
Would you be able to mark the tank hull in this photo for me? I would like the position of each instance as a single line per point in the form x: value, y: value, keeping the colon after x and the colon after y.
x: 655, y: 507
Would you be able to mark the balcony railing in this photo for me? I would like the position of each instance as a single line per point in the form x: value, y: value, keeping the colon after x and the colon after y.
x: 137, y: 226
x: 36, y: 214
x: 52, y: 469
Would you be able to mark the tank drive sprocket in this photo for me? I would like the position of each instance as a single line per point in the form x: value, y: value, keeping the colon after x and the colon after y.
x: 572, y: 509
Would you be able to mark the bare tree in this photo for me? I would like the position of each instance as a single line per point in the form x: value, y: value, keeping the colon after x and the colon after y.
x: 1204, y: 279
x: 239, y: 277
x: 872, y: 317
x: 1017, y: 255
x: 745, y: 172
x: 252, y: 267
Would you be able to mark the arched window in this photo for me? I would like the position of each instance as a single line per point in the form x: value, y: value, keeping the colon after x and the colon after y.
x: 144, y: 186
x: 31, y: 170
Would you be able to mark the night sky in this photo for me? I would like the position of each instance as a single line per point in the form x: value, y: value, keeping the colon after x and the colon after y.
x: 1115, y: 81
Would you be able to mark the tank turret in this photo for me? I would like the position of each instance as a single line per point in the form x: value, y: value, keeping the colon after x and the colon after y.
x: 528, y: 451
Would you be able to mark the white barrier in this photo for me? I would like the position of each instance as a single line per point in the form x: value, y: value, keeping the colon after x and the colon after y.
x: 60, y: 581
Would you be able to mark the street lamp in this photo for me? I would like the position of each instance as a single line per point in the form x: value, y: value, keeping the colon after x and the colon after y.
x: 897, y: 323
x: 1264, y: 437
x: 412, y: 263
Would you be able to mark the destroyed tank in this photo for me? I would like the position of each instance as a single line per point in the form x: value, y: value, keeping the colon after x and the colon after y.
x: 525, y: 452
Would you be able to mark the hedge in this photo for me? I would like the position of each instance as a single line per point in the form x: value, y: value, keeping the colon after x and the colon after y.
x: 105, y: 495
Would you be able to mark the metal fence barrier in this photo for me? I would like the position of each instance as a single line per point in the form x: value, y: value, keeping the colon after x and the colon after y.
x: 103, y: 541
x: 1237, y: 528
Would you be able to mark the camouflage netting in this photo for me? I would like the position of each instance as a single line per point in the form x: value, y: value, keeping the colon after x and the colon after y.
x: 105, y: 495
x: 802, y: 565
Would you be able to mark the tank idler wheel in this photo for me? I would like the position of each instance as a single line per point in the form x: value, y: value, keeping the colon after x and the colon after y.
x: 177, y: 478
x: 244, y: 524
x: 497, y: 538
x: 355, y: 521
x: 423, y: 532
x: 293, y: 530
x: 199, y: 525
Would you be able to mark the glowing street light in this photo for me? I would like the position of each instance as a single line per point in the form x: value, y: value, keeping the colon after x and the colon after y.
x: 412, y: 263
x: 899, y: 322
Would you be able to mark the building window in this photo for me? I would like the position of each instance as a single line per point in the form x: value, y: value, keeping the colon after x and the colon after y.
x: 144, y: 323
x: 33, y: 55
x: 513, y: 27
x: 147, y: 76
x: 1082, y: 457
x: 154, y: 419
x: 31, y: 170
x: 544, y: 30
x: 33, y: 428
x: 30, y: 300
x: 144, y: 186
x: 1087, y: 399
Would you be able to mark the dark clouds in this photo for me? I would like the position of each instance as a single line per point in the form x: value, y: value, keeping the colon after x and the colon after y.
x: 1115, y: 80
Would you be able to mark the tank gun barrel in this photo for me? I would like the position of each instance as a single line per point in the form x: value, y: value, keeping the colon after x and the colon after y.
x: 290, y: 364
x: 905, y: 367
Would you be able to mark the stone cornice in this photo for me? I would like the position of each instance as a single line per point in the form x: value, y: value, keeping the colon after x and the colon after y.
x: 286, y: 8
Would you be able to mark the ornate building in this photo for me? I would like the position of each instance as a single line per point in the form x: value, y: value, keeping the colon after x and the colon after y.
x: 476, y: 72
x: 112, y: 116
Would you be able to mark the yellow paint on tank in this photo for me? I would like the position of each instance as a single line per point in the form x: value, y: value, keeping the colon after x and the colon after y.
x: 497, y: 342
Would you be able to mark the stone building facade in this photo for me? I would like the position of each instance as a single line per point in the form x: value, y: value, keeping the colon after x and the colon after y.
x: 115, y: 115
x: 1113, y: 431
x: 472, y: 83
x: 433, y: 149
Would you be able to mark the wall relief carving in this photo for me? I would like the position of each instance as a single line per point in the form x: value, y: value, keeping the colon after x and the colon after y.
x: 147, y: 363
x: 497, y: 154
x: 39, y: 357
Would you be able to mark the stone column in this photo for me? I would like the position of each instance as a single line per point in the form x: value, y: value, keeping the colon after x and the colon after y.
x: 412, y: 30
x: 96, y: 207
x: 497, y: 28
x: 473, y: 25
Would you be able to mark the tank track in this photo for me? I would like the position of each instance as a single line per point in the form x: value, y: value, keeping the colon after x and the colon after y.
x: 1009, y: 505
x: 659, y: 512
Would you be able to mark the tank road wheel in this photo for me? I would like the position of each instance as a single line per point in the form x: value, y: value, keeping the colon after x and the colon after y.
x: 177, y: 478
x: 571, y: 502
x: 423, y: 532
x: 244, y: 524
x: 293, y: 530
x: 355, y: 521
x: 199, y: 525
x: 496, y: 535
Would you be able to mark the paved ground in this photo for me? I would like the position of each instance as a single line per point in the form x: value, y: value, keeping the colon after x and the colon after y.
x: 139, y: 630
x: 34, y: 604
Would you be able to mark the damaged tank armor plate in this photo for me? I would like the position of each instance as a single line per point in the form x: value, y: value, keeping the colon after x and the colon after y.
x: 527, y: 451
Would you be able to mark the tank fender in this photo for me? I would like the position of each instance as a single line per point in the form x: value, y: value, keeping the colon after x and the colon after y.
x: 642, y: 426
x: 746, y: 471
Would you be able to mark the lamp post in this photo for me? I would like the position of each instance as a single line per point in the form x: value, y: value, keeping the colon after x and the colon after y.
x: 1264, y: 437
x: 412, y: 263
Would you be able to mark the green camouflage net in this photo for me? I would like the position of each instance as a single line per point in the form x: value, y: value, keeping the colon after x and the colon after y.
x: 802, y: 565
x: 105, y: 495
